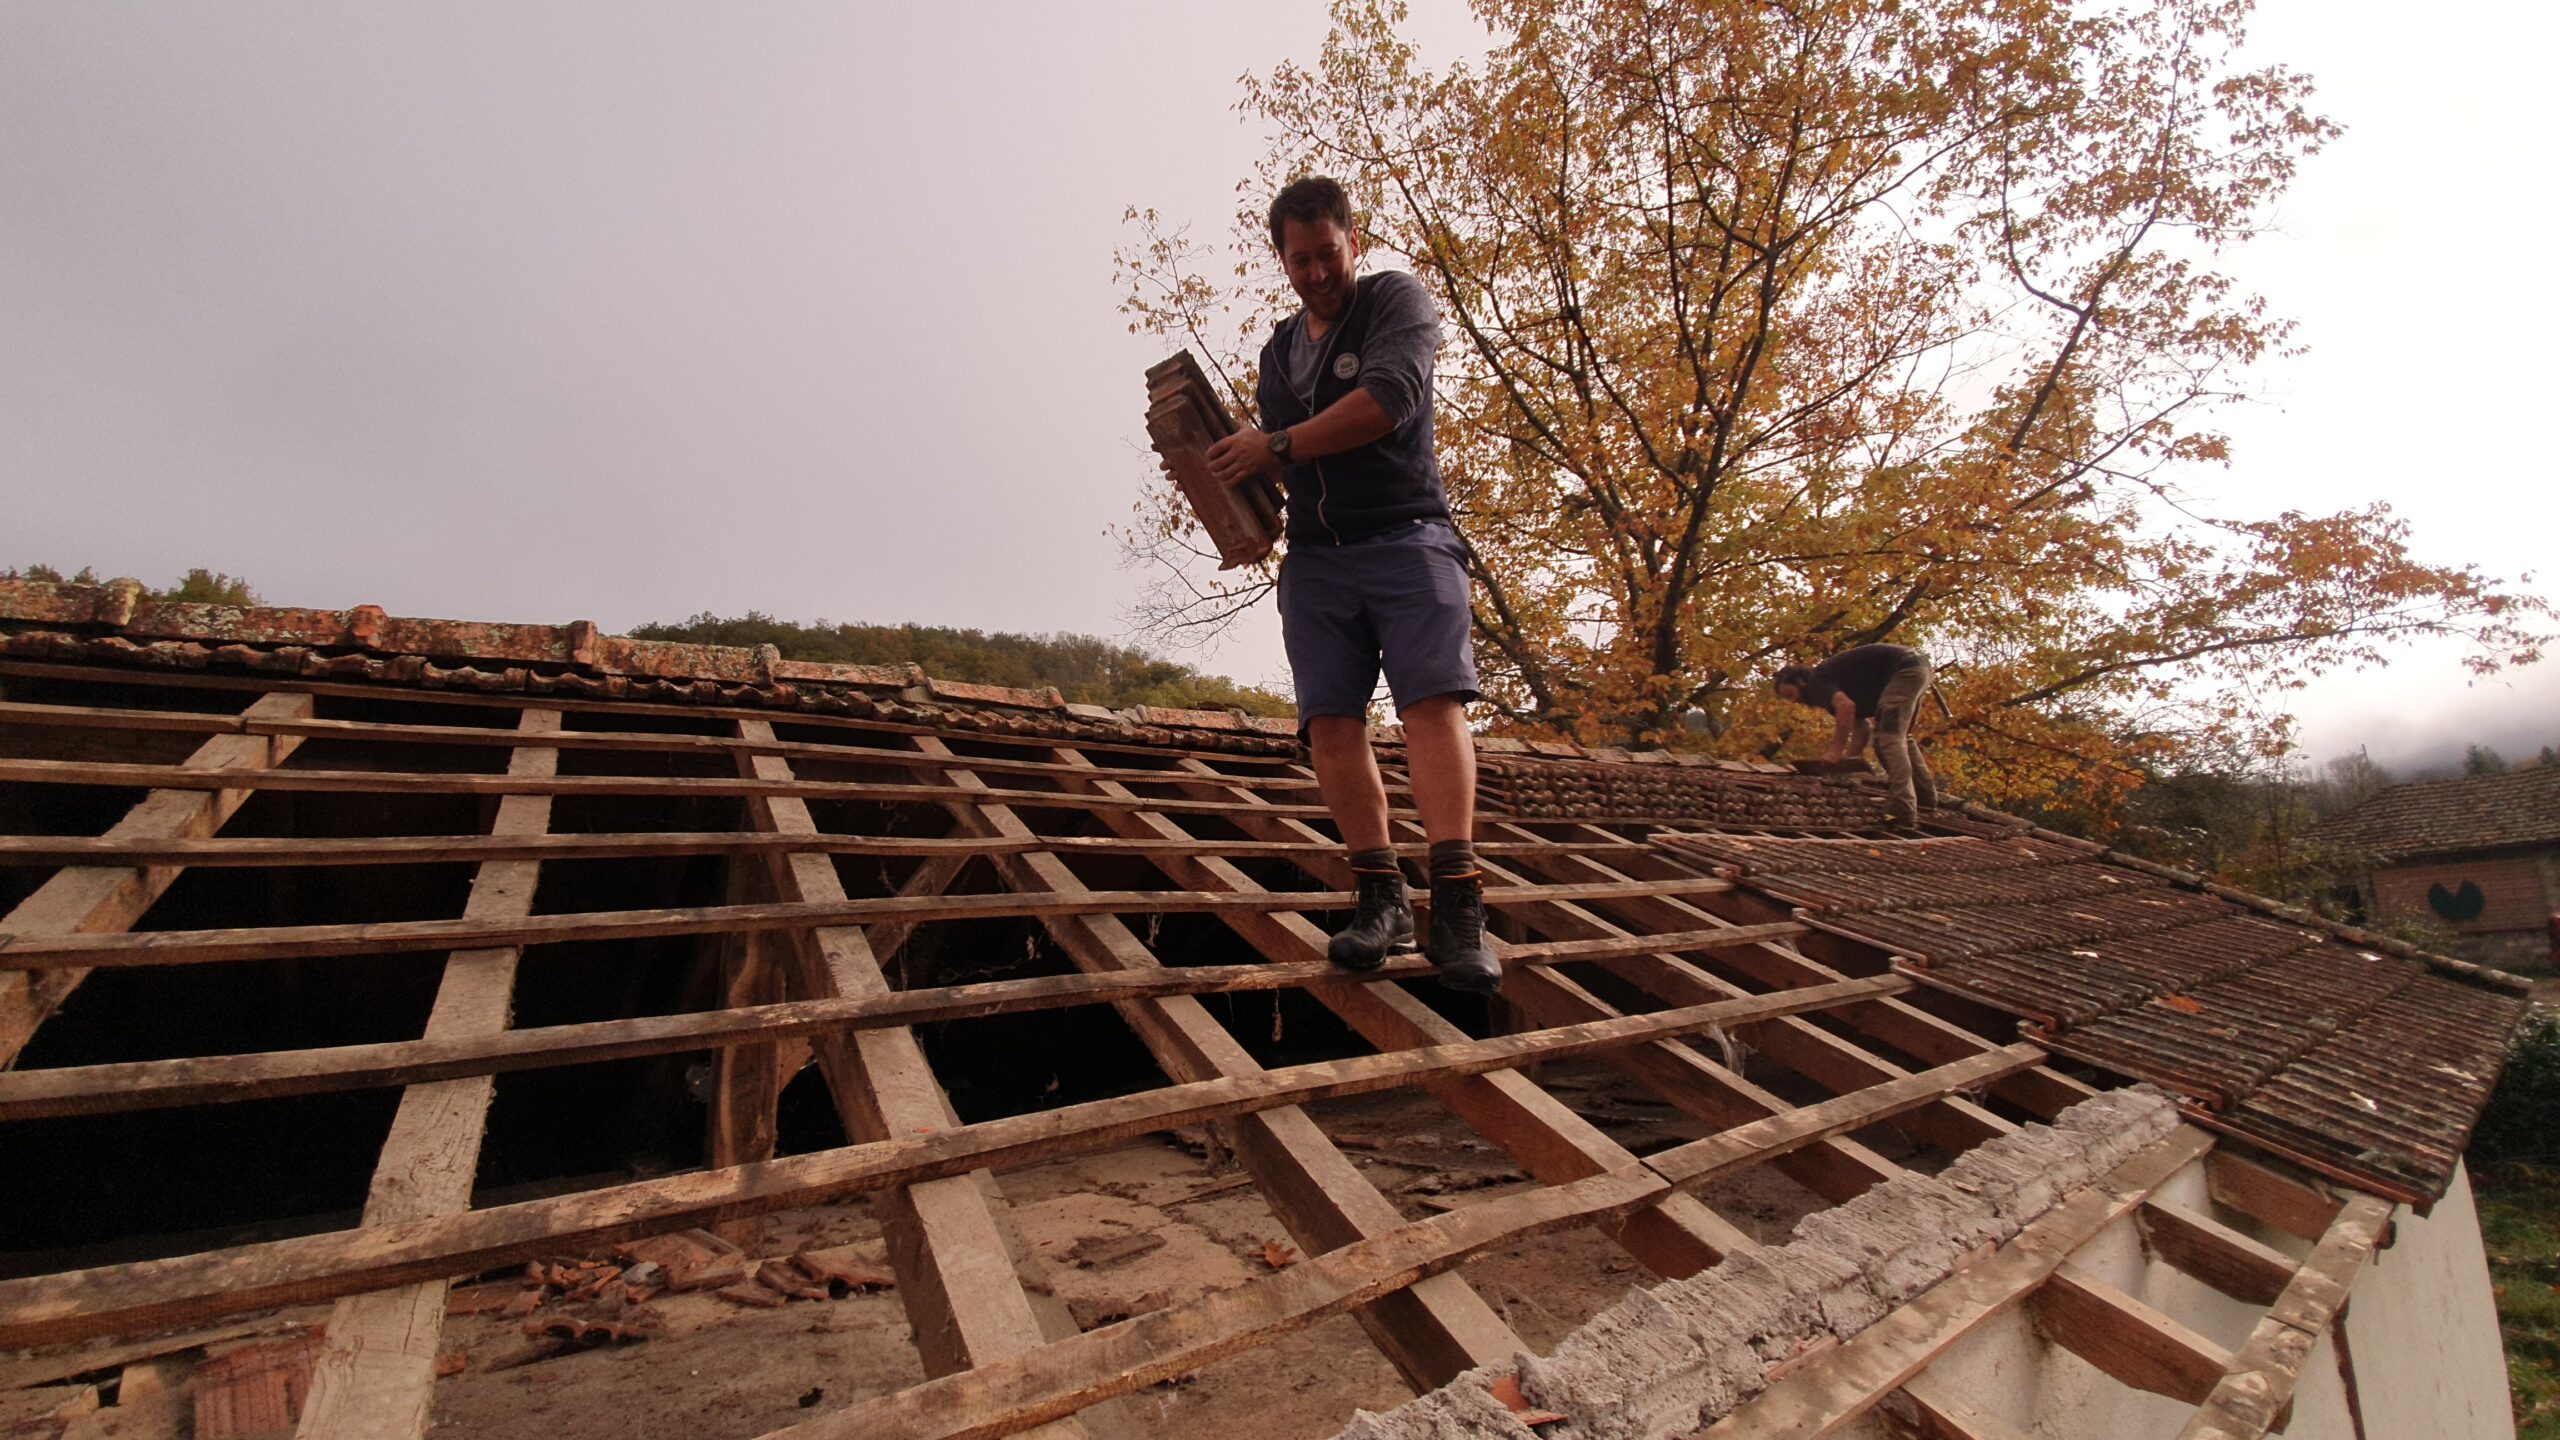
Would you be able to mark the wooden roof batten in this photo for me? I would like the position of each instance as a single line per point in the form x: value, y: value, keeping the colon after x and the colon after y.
x: 1577, y: 898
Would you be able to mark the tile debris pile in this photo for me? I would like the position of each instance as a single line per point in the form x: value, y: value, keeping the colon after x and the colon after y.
x: 1668, y: 1360
x: 2365, y: 1062
x: 2479, y: 812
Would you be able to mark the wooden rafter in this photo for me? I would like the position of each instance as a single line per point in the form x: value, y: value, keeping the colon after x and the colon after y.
x: 265, y: 1075
x: 2256, y: 1392
x: 1905, y: 1027
x: 1836, y: 1388
x: 949, y: 1239
x: 300, y: 852
x: 2239, y: 1266
x: 32, y: 951
x: 636, y: 742
x: 1140, y: 1351
x: 1430, y: 1331
x: 1552, y: 1144
x: 101, y: 899
x: 215, y: 1283
x: 2127, y: 1339
x: 377, y: 1369
x: 2302, y: 1209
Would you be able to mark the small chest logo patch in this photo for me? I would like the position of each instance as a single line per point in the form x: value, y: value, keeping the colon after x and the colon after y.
x: 1345, y: 365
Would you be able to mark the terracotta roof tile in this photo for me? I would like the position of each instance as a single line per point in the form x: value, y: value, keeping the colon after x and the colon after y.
x: 2254, y: 1017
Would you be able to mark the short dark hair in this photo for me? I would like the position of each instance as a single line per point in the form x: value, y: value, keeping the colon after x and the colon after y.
x: 1797, y: 675
x: 1307, y: 200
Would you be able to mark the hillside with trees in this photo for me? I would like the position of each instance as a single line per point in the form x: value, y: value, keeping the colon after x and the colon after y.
x: 198, y: 586
x: 1085, y: 669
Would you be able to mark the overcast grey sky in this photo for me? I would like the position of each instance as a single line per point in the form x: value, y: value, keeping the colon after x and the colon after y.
x: 619, y: 311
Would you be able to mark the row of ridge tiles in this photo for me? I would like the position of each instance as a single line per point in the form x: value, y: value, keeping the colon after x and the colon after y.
x: 122, y: 607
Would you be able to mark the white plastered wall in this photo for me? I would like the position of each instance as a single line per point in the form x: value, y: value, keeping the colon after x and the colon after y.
x: 2423, y: 1330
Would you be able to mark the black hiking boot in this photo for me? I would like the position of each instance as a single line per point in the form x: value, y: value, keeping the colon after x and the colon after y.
x: 1381, y: 926
x: 1458, y: 950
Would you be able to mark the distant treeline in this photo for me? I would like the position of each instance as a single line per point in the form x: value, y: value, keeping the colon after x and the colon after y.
x: 209, y: 587
x: 1085, y: 669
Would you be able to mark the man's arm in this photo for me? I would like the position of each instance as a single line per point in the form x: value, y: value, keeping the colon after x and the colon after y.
x: 1395, y: 376
x: 1844, y: 726
x: 1346, y: 424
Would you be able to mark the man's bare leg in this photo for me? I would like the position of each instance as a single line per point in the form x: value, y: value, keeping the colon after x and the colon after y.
x: 1347, y: 770
x: 1441, y: 757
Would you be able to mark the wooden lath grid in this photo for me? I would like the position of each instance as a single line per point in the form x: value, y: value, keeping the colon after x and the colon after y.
x: 803, y: 966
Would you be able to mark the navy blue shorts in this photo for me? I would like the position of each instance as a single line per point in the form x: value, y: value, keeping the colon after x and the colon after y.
x: 1397, y: 598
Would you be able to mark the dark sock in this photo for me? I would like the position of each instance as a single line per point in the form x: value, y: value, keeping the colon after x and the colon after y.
x: 1452, y: 858
x: 1373, y: 861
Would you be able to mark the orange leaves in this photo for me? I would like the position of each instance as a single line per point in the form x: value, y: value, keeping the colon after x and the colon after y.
x: 1773, y: 330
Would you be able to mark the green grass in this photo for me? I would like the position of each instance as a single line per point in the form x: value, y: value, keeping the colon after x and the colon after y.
x: 2520, y: 1220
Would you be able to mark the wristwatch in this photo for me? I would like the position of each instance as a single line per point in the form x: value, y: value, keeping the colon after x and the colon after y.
x: 1280, y: 444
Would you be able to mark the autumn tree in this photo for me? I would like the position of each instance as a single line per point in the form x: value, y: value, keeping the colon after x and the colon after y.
x: 1777, y: 328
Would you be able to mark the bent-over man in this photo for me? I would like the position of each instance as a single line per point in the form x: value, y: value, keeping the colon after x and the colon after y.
x: 1879, y: 685
x: 1375, y: 575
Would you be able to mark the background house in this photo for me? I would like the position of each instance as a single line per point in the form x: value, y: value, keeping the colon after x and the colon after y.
x: 2477, y: 858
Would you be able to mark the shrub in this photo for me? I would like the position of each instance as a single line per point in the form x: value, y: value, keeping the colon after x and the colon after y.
x: 2522, y: 1124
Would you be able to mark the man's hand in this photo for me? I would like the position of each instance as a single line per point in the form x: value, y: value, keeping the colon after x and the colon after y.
x: 1242, y: 456
x: 1833, y: 754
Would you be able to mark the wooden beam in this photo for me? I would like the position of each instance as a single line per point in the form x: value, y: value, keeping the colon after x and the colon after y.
x: 1834, y: 1062
x: 1429, y: 1332
x: 742, y: 1121
x: 267, y: 1075
x: 1834, y: 1389
x: 95, y: 900
x: 1928, y: 1408
x: 1686, y: 1165
x: 2256, y: 1393
x: 397, y: 782
x: 39, y: 951
x: 2216, y: 1254
x: 2277, y: 1201
x: 950, y: 1240
x: 1552, y: 1144
x: 54, y: 1308
x: 569, y: 703
x: 1174, y: 1341
x: 1836, y: 1169
x: 302, y: 852
x: 104, y: 717
x: 1927, y: 1038
x: 376, y: 1370
x: 2126, y: 1339
x: 1170, y: 1342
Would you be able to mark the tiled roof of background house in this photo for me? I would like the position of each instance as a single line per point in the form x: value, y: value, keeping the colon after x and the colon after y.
x: 2478, y: 812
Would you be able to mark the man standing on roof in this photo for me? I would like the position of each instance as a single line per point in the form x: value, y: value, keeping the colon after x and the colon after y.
x: 1375, y: 574
x: 1882, y: 685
